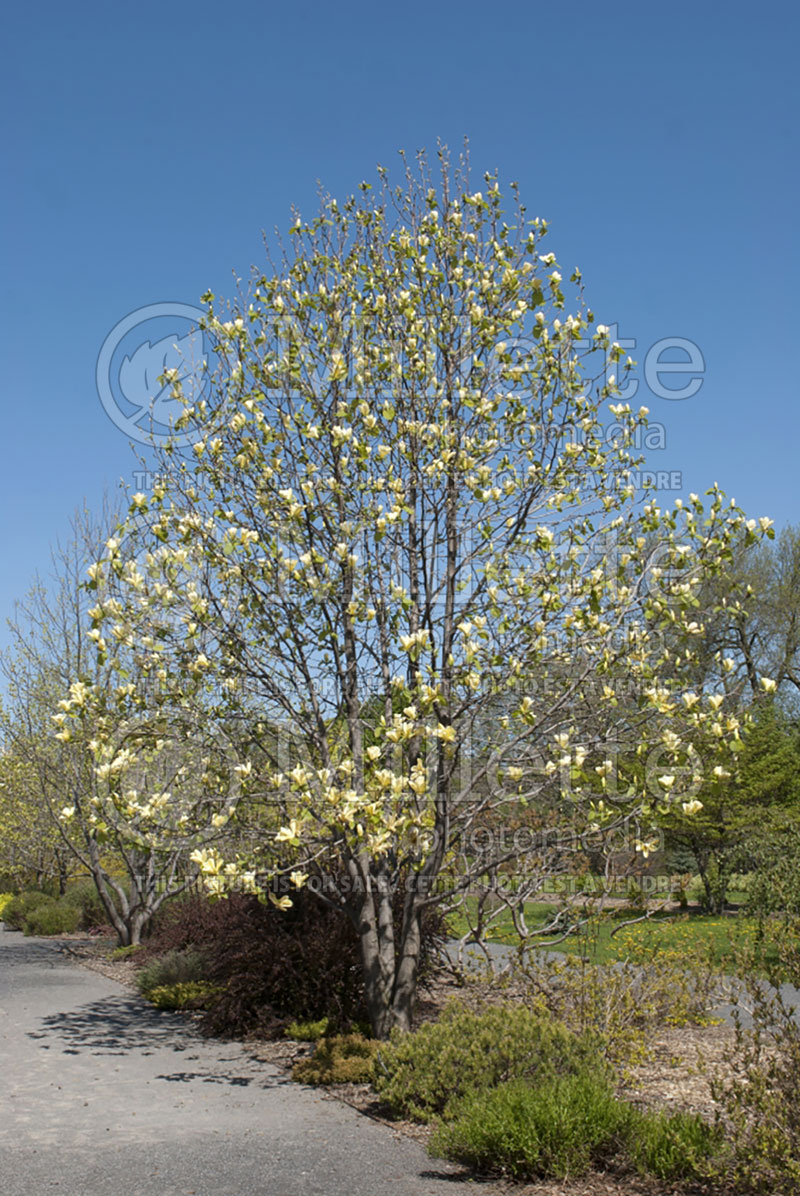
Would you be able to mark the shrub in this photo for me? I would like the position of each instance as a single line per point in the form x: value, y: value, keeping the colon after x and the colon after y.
x: 424, y: 1073
x: 176, y: 967
x: 269, y: 965
x: 125, y: 952
x: 562, y: 1126
x: 190, y: 921
x: 672, y: 1146
x: 273, y: 965
x: 187, y: 994
x: 86, y: 899
x: 623, y: 1002
x: 341, y: 1059
x: 773, y: 886
x: 758, y: 1097
x: 52, y: 917
x: 16, y: 911
x: 5, y: 899
x: 307, y: 1031
x: 551, y: 1129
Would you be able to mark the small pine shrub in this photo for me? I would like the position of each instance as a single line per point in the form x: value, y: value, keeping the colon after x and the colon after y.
x: 307, y: 1031
x: 176, y: 967
x: 17, y: 910
x: 341, y: 1059
x: 422, y: 1074
x: 125, y: 952
x: 52, y: 917
x: 550, y: 1130
x: 188, y: 994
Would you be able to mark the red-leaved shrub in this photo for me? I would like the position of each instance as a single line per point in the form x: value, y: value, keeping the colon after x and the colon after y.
x: 271, y: 966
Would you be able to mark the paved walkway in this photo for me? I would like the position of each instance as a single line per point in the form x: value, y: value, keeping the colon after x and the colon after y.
x: 101, y: 1095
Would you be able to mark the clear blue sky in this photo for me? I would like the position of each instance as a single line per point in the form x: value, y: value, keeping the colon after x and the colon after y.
x: 147, y: 146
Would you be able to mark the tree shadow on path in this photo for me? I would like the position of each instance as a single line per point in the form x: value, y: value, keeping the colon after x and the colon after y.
x: 116, y: 1025
x: 125, y: 1025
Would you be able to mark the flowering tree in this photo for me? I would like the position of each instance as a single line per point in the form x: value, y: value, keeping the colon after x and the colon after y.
x: 408, y: 556
x: 96, y: 773
x: 32, y: 850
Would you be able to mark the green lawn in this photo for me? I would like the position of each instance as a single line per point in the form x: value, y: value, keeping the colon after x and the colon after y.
x: 603, y: 939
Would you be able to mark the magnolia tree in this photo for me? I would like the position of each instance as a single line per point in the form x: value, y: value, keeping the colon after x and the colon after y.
x: 407, y: 555
x: 83, y: 743
x: 32, y: 849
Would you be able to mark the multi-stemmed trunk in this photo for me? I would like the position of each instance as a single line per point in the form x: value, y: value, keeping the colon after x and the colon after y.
x: 390, y: 962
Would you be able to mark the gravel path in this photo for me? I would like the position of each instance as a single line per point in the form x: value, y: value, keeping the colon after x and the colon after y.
x: 102, y: 1095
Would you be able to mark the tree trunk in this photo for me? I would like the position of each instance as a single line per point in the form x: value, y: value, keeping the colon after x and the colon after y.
x: 138, y: 922
x: 407, y: 973
x: 376, y: 942
x: 390, y: 967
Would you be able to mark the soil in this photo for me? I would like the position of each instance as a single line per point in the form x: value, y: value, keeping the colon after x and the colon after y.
x: 675, y: 1076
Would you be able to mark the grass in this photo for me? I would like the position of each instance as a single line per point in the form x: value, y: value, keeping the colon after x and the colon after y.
x: 537, y: 913
x: 602, y: 941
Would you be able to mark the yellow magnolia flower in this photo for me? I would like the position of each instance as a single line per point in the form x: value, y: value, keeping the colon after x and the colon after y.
x: 646, y: 846
x: 289, y: 834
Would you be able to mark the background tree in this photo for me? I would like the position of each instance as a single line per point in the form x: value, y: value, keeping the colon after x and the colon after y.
x: 32, y: 848
x: 756, y: 627
x: 743, y: 811
x: 131, y: 828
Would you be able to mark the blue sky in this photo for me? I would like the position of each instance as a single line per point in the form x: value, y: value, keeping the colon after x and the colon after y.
x: 148, y: 145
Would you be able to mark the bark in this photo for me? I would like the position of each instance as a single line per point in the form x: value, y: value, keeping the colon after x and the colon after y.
x: 129, y: 917
x: 390, y: 963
